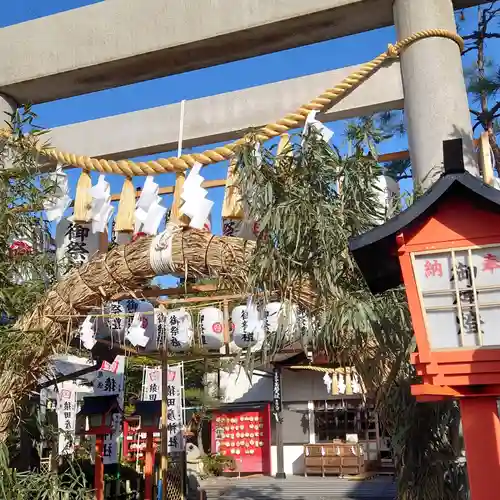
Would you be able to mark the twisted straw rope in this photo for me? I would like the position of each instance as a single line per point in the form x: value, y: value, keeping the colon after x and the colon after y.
x: 322, y: 102
x: 313, y: 368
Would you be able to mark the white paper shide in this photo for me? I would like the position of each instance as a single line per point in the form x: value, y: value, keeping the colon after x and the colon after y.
x: 101, y: 208
x: 149, y: 211
x: 196, y: 205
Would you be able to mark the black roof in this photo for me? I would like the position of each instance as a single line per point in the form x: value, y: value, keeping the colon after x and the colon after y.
x: 375, y: 251
x: 143, y: 408
x: 94, y: 405
x: 241, y: 406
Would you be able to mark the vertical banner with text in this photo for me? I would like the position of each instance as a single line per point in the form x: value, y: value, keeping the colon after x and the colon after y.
x: 175, y: 420
x: 110, y: 381
x: 66, y: 416
x: 151, y: 385
x: 277, y: 397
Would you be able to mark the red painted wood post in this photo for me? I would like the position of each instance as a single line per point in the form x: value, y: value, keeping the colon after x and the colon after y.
x: 481, y: 427
x: 148, y: 467
x: 99, y: 468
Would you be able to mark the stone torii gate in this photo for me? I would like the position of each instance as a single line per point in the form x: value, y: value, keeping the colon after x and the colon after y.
x: 116, y: 43
x: 113, y: 43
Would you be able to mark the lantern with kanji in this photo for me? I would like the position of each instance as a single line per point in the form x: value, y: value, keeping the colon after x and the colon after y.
x: 119, y: 317
x: 211, y: 328
x: 445, y: 249
x: 248, y: 326
x: 180, y: 331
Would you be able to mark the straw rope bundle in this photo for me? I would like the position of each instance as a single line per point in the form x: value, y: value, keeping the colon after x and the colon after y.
x: 128, y: 267
x: 52, y: 323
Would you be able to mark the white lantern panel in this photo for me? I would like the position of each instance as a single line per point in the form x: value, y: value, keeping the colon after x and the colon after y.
x: 486, y: 264
x: 211, y: 328
x: 148, y: 323
x: 248, y: 326
x: 161, y: 322
x: 180, y: 331
x: 115, y: 321
x: 460, y: 293
x: 387, y: 192
x: 245, y: 229
x: 121, y: 316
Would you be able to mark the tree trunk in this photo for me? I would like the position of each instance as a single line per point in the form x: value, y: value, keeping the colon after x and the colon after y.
x: 486, y: 119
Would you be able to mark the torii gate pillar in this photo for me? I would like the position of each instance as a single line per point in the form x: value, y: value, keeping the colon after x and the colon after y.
x: 436, y: 106
x: 7, y: 105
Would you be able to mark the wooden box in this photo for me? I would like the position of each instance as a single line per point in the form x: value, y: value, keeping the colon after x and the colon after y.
x: 334, y: 458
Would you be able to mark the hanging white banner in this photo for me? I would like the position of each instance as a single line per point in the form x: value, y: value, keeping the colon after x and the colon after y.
x: 175, y: 419
x: 151, y: 386
x: 75, y: 243
x: 66, y: 416
x: 110, y: 381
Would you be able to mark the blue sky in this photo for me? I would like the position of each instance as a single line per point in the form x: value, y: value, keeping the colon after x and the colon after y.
x: 233, y: 76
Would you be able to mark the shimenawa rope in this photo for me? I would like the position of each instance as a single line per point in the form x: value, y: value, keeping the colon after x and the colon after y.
x: 322, y: 102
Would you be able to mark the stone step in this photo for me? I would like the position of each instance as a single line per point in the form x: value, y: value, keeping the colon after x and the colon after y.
x: 300, y: 489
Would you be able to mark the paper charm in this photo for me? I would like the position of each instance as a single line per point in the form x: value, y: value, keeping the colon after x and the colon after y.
x: 311, y: 121
x: 195, y: 206
x: 87, y: 334
x: 101, y: 208
x: 328, y: 382
x: 59, y: 200
x: 135, y: 333
x: 257, y: 154
x: 356, y: 386
x: 341, y: 384
x: 149, y: 212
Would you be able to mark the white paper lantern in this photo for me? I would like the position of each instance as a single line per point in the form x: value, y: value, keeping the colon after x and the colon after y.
x: 280, y: 319
x: 212, y: 328
x: 117, y: 324
x: 161, y: 318
x: 248, y: 327
x: 148, y: 323
x: 179, y: 330
x: 303, y: 327
x: 76, y: 244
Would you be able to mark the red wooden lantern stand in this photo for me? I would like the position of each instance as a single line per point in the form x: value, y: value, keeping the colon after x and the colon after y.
x: 95, y: 419
x: 445, y: 248
x: 146, y: 420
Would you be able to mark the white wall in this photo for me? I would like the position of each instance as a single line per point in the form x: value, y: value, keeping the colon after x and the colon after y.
x: 237, y: 388
x: 293, y: 457
x: 297, y: 386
